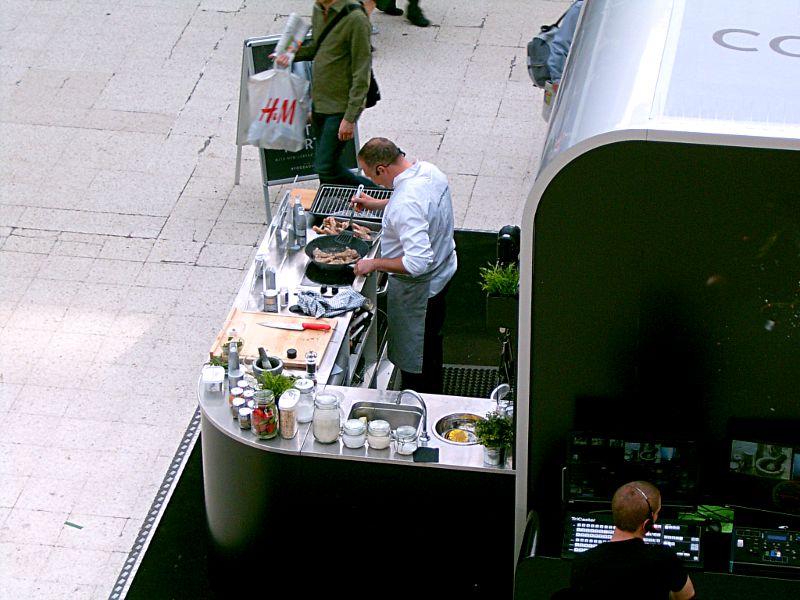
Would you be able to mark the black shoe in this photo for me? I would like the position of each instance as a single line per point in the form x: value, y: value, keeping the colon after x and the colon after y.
x: 389, y: 7
x: 416, y: 17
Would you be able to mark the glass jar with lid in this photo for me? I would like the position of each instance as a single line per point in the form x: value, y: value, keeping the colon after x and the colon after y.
x: 327, y: 420
x: 305, y: 403
x: 264, y: 418
x: 287, y: 411
x: 354, y: 433
x: 406, y: 440
x: 378, y: 434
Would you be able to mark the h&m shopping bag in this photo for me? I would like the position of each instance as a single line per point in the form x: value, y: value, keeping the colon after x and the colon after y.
x: 279, y: 107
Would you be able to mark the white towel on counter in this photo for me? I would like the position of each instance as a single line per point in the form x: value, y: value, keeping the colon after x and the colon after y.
x: 317, y: 305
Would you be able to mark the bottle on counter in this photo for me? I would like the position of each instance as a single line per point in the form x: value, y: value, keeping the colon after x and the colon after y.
x: 327, y: 419
x: 235, y: 370
x: 406, y: 442
x: 264, y: 418
x: 305, y: 403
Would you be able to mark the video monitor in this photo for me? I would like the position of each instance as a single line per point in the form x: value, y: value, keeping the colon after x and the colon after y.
x: 763, y: 466
x: 597, y: 464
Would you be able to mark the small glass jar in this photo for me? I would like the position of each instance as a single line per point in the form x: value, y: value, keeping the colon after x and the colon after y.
x: 354, y: 433
x: 327, y: 419
x: 287, y: 409
x: 237, y: 405
x: 305, y: 404
x: 244, y: 417
x: 406, y: 440
x: 264, y: 420
x: 378, y: 434
x: 234, y: 393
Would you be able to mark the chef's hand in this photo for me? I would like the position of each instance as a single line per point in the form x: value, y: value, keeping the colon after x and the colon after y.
x: 364, y: 202
x: 365, y: 266
x: 346, y: 129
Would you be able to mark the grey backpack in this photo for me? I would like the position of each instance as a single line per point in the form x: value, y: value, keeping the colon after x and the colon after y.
x: 547, y: 51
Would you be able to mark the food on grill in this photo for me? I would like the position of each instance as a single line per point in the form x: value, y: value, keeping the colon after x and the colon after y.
x: 338, y: 257
x: 330, y: 226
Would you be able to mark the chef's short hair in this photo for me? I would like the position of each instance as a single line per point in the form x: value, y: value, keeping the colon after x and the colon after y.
x: 632, y: 502
x: 380, y: 151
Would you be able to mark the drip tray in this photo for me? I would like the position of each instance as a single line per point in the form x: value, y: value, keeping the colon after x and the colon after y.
x: 470, y: 381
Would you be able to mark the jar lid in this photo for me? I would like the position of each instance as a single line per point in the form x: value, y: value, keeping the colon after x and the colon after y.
x: 326, y: 400
x: 288, y: 401
x: 291, y: 353
x: 303, y: 384
x: 406, y: 433
x: 354, y: 427
x: 379, y: 426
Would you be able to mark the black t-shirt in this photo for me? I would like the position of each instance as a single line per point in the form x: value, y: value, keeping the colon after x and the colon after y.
x: 627, y: 569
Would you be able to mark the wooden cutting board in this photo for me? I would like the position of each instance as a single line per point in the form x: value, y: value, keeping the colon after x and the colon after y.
x: 275, y: 341
x: 306, y: 197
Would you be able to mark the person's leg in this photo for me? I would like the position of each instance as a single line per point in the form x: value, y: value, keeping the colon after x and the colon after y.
x: 389, y: 7
x: 431, y: 378
x: 415, y: 14
x: 328, y: 153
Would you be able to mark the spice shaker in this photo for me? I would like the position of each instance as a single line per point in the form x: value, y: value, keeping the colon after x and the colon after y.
x: 287, y: 409
x: 305, y: 404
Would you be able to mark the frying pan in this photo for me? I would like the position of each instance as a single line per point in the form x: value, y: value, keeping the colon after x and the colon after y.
x: 328, y: 243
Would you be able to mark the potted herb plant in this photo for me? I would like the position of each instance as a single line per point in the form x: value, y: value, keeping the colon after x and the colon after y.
x: 496, y: 434
x: 276, y: 382
x: 501, y: 284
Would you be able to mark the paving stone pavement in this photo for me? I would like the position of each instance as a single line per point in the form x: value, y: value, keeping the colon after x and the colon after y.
x: 123, y: 238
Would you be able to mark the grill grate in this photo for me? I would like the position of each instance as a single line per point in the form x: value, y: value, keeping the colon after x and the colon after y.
x: 469, y: 381
x: 334, y: 200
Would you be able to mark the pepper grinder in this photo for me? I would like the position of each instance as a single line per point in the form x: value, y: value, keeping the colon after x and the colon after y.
x: 235, y: 371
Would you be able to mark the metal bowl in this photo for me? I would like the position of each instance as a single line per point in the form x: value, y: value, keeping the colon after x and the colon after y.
x: 457, y: 428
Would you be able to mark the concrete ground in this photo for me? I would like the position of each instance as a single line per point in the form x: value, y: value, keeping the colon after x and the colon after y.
x: 123, y: 238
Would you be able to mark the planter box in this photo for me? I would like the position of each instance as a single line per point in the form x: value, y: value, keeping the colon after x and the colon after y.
x: 502, y: 311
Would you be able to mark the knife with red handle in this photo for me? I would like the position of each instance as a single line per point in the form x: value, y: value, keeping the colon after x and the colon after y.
x: 296, y: 326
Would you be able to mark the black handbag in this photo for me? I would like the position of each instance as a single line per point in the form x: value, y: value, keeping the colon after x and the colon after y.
x: 374, y: 92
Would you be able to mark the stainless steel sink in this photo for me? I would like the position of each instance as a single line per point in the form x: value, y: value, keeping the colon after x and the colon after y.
x: 396, y: 414
x: 457, y: 428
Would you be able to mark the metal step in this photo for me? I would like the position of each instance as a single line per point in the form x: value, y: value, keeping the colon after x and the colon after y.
x: 469, y: 380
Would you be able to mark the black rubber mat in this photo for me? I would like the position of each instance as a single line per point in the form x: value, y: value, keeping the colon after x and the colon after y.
x: 470, y: 381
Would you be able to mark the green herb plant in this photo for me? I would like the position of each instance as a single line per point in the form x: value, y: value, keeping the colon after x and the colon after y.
x: 277, y: 383
x: 502, y: 280
x: 495, y: 431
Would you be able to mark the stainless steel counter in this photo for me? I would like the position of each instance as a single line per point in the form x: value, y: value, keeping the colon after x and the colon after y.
x: 216, y: 410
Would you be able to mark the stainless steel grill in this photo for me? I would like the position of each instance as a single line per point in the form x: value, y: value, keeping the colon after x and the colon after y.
x: 334, y: 200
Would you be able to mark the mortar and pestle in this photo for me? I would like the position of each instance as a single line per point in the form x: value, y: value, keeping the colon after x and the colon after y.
x: 273, y: 364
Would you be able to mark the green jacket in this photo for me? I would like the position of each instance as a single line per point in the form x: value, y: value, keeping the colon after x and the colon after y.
x: 342, y: 64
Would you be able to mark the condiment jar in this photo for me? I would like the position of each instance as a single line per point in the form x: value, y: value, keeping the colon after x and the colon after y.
x: 305, y: 404
x: 327, y: 418
x: 378, y: 434
x: 406, y: 440
x: 234, y: 393
x: 287, y: 408
x: 354, y: 433
x: 264, y: 419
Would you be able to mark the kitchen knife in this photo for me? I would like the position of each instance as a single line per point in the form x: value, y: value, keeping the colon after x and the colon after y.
x: 296, y: 326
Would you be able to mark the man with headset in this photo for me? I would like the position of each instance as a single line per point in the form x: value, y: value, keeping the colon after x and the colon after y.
x: 626, y: 567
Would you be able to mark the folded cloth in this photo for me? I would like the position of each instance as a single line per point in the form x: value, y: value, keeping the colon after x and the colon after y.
x: 317, y: 305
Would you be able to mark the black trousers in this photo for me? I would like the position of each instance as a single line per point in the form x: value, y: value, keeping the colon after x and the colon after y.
x: 430, y: 380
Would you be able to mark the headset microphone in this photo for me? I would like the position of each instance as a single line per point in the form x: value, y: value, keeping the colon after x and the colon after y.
x: 650, y: 523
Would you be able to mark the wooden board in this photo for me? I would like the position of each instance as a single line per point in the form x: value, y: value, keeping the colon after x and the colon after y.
x: 275, y: 341
x: 306, y: 197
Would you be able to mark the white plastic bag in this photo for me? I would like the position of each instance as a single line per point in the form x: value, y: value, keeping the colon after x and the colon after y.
x: 279, y: 106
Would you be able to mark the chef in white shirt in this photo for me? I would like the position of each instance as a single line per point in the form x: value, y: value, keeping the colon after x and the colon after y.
x: 419, y: 253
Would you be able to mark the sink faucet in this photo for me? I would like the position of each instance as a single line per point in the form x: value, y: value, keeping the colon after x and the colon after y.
x: 424, y: 435
x: 498, y: 395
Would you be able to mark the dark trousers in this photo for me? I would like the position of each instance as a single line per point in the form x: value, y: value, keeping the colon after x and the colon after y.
x: 430, y: 380
x: 328, y: 152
